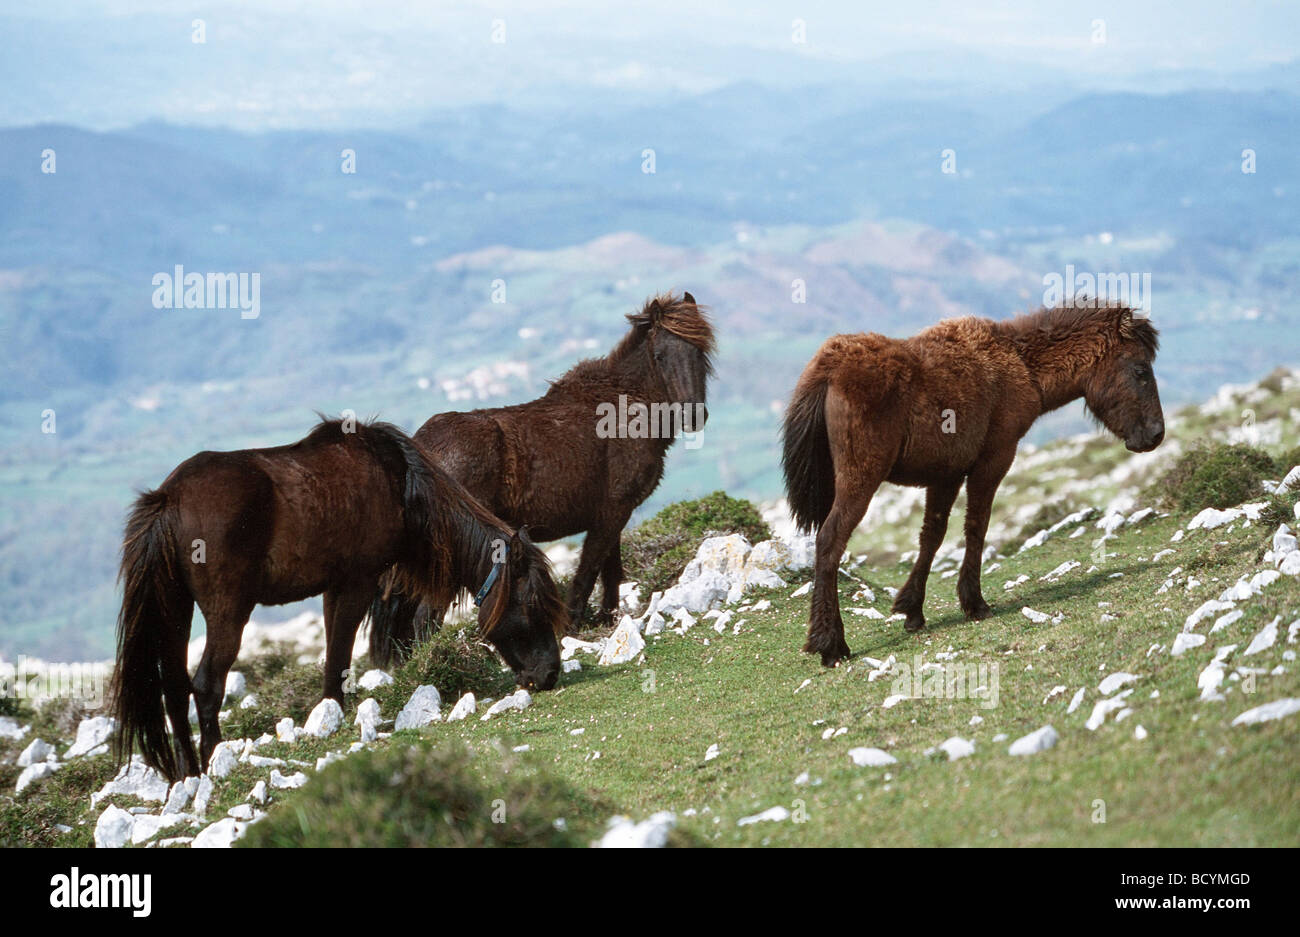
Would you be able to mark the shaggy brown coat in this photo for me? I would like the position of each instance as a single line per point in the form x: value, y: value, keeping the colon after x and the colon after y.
x: 329, y: 514
x: 544, y: 465
x: 944, y: 407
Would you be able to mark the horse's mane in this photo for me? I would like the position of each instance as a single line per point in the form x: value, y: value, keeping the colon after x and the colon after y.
x: 680, y: 315
x: 440, y: 512
x: 1089, y: 323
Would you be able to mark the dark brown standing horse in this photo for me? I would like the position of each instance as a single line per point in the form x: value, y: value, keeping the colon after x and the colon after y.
x: 582, y: 457
x: 946, y: 406
x: 329, y: 514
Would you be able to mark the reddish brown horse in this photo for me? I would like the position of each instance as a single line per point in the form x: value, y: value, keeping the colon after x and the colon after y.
x: 329, y: 514
x: 945, y: 407
x: 577, y: 459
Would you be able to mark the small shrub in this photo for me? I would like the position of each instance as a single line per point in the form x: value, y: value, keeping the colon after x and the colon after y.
x: 656, y: 551
x: 283, y: 687
x: 419, y: 795
x: 1214, y: 475
x: 30, y: 818
x: 1287, y: 460
x: 455, y: 662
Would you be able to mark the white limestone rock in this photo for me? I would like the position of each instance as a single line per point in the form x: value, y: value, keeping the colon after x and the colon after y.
x: 706, y: 590
x: 423, y: 708
x: 1185, y: 642
x: 224, y: 760
x: 135, y: 779
x: 871, y: 757
x: 280, y: 782
x: 258, y: 794
x: 372, y: 680
x: 519, y: 700
x: 147, y: 825
x: 770, y: 815
x: 1040, y: 740
x: 38, y: 751
x: 465, y: 707
x: 236, y: 686
x: 1266, y: 638
x: 91, y: 735
x: 652, y: 833
x: 1278, y: 709
x: 623, y: 645
x: 324, y: 720
x: 1115, y: 681
x: 957, y: 747
x: 113, y: 828
x: 220, y: 835
x: 33, y: 773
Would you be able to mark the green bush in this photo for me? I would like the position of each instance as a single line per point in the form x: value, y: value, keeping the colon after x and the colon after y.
x: 419, y: 795
x: 283, y: 687
x: 1287, y: 460
x: 1214, y: 475
x: 455, y: 662
x: 656, y: 551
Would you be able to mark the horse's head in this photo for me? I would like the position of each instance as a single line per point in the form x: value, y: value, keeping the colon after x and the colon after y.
x: 679, y: 343
x: 525, y: 615
x: 1121, y: 389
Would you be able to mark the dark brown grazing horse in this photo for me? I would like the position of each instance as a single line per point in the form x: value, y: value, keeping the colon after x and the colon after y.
x: 582, y: 457
x: 329, y: 514
x: 946, y: 406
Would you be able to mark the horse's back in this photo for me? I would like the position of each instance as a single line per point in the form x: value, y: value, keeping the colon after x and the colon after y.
x: 470, y: 447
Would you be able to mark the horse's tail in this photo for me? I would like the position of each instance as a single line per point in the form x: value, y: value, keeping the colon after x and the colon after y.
x: 392, y: 612
x: 148, y: 664
x: 806, y: 459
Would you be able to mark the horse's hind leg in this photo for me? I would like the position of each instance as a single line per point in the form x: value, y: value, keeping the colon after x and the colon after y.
x: 826, y: 627
x: 344, y: 609
x: 225, y: 632
x: 911, y: 598
x: 595, y: 552
x: 981, y: 486
x: 176, y: 684
x: 862, y: 454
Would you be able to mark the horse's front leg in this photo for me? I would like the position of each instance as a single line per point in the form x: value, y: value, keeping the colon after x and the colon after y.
x: 911, y: 598
x: 611, y: 577
x: 981, y: 486
x: 344, y: 609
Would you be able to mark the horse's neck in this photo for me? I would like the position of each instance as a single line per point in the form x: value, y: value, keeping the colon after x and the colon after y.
x: 474, y: 546
x: 1059, y: 371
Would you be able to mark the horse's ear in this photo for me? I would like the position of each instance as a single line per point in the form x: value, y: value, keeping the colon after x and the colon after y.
x: 690, y: 299
x: 519, y: 544
x: 1125, y: 323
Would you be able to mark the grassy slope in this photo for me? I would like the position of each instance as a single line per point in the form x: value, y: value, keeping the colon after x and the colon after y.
x: 1195, y: 780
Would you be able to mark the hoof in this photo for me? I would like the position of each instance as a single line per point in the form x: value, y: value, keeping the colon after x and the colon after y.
x: 913, y: 625
x: 837, y: 651
x: 979, y: 612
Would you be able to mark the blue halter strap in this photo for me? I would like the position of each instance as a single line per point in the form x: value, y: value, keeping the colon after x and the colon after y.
x: 491, y: 579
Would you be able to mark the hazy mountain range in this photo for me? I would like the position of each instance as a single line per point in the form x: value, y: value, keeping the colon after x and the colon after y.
x: 377, y: 285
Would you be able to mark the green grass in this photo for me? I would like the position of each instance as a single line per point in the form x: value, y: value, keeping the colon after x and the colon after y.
x: 1195, y: 781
